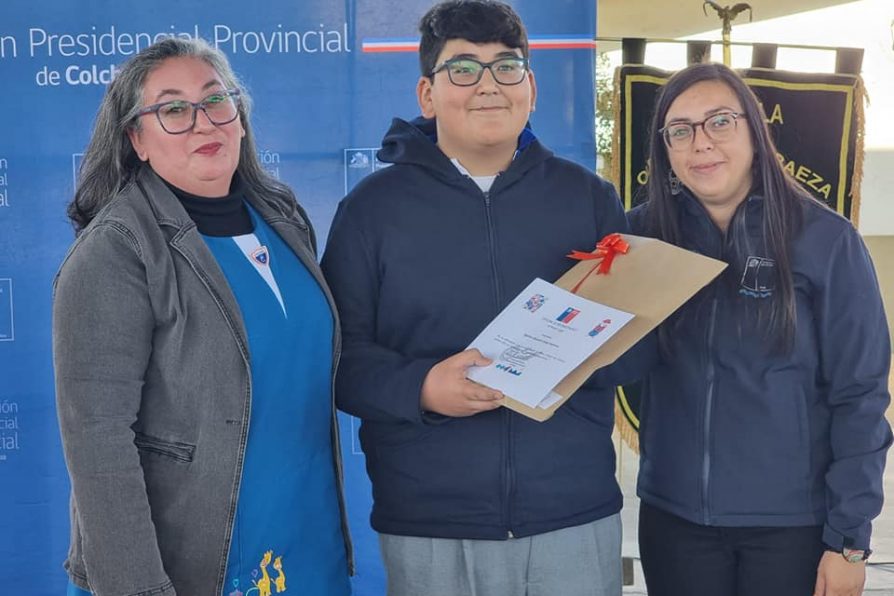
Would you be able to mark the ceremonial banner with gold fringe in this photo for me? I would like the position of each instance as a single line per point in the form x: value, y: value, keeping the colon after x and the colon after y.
x: 816, y: 121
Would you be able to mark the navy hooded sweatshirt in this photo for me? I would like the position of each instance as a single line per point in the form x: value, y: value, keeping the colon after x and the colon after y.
x: 420, y: 260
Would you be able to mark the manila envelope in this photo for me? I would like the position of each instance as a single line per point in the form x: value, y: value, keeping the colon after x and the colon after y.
x: 651, y: 281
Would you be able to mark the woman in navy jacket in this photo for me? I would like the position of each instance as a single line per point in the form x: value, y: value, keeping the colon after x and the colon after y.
x: 763, y: 433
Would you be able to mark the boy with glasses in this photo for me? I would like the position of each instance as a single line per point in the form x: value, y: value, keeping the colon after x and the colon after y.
x: 469, y: 497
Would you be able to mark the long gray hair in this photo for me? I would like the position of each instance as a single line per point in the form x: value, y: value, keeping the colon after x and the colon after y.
x: 110, y: 161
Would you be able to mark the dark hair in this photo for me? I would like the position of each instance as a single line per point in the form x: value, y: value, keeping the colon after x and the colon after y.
x: 110, y: 162
x: 782, y: 196
x: 478, y: 21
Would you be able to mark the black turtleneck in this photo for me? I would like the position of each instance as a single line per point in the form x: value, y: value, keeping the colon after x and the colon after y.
x: 221, y: 216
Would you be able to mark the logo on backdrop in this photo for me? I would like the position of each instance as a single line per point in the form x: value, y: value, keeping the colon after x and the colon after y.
x: 359, y: 160
x: 358, y: 163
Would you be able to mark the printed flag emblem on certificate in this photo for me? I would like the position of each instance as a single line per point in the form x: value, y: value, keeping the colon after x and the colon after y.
x: 568, y: 315
x: 531, y: 355
x: 600, y: 328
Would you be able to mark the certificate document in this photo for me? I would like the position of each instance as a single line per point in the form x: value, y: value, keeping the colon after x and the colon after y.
x: 544, y: 334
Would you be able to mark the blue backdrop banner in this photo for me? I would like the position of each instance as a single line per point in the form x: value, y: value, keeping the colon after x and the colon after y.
x: 326, y: 78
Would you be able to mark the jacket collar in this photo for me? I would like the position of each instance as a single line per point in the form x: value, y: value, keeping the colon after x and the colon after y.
x: 181, y: 233
x: 752, y: 208
x: 700, y: 233
x: 169, y: 211
x: 415, y: 143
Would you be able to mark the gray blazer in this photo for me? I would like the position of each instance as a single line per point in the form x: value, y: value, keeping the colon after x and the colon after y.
x: 153, y: 392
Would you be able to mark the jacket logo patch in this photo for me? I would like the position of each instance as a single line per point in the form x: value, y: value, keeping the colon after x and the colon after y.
x: 757, y: 278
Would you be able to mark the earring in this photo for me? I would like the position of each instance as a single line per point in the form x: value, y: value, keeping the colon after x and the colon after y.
x: 675, y: 185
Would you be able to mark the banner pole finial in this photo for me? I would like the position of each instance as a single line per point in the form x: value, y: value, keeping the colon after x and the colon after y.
x: 727, y: 15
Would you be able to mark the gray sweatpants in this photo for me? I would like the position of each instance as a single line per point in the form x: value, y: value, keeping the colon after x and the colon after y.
x: 579, y: 561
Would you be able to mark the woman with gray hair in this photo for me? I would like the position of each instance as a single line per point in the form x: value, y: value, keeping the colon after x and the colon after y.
x: 195, y: 343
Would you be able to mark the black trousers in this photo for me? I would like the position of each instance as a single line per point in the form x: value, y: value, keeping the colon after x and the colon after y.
x: 681, y: 558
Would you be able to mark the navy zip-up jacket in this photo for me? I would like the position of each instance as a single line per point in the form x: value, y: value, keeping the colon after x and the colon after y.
x: 735, y: 432
x: 420, y: 260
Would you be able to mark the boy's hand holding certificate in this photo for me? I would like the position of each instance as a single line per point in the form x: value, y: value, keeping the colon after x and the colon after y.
x: 544, y: 334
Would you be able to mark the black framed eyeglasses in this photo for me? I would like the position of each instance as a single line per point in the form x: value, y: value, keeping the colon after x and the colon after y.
x: 179, y: 116
x: 719, y: 127
x: 465, y: 72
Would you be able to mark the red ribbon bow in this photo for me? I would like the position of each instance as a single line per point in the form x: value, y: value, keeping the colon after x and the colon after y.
x: 606, y: 250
